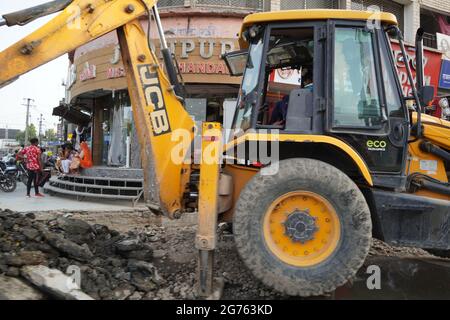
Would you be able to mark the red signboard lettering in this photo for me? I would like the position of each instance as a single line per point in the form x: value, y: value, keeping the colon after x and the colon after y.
x: 432, y: 65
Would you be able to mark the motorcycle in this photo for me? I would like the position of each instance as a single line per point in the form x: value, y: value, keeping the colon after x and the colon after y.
x: 22, y: 173
x: 8, y: 173
x: 439, y: 107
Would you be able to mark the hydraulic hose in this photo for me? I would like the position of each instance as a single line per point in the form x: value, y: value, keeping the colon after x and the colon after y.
x: 25, y: 16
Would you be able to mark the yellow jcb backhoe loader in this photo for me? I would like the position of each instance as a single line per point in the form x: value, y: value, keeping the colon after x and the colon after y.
x: 313, y: 168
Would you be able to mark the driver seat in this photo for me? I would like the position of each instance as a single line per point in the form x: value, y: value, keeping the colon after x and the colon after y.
x: 300, y: 111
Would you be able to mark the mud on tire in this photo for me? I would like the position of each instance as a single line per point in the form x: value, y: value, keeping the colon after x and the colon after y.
x: 349, y: 204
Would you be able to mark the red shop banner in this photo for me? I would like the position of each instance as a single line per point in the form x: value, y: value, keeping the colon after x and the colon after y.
x: 432, y: 67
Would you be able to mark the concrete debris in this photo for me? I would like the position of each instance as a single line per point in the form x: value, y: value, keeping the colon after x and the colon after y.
x: 70, y: 248
x: 124, y: 292
x: 23, y: 258
x: 17, y: 289
x: 111, y: 265
x: 54, y: 282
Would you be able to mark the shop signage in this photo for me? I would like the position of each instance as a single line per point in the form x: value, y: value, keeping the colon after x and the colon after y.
x: 72, y: 77
x: 115, y: 72
x: 432, y: 63
x: 443, y: 43
x: 444, y: 80
x: 89, y: 72
x: 200, y: 56
x: 203, y: 68
x: 286, y: 76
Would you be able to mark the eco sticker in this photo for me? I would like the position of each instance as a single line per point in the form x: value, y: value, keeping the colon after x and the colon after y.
x: 376, y: 145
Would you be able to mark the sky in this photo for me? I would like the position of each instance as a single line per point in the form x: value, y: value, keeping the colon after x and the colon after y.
x: 43, y: 84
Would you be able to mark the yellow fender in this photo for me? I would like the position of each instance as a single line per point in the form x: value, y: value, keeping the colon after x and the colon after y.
x: 307, y: 139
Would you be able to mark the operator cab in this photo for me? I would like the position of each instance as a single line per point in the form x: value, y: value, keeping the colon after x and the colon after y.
x: 327, y: 76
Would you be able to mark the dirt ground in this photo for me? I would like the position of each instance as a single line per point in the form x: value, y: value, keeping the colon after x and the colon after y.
x: 176, y: 257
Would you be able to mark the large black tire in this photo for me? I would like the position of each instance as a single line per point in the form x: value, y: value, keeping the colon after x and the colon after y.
x: 349, y: 204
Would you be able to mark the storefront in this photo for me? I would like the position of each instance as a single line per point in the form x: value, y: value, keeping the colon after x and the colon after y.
x: 97, y: 82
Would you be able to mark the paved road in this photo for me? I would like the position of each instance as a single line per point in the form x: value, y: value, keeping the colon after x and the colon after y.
x: 17, y: 201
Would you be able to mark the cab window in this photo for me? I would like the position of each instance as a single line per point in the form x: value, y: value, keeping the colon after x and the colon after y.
x: 356, y: 95
x: 393, y: 102
x: 288, y: 70
x: 248, y: 92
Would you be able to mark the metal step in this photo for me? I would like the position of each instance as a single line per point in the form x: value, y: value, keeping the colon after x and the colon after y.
x: 66, y: 185
x: 76, y: 184
x: 101, y: 178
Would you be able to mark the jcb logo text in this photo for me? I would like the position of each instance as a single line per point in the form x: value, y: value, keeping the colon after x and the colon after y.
x: 154, y: 96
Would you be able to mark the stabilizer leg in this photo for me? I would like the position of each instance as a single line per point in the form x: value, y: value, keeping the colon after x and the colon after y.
x: 206, y: 239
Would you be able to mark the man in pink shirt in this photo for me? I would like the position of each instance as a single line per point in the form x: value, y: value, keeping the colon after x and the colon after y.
x: 34, y: 165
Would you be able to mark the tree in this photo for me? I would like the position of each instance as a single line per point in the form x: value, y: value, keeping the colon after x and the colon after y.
x: 32, y: 133
x: 50, y: 135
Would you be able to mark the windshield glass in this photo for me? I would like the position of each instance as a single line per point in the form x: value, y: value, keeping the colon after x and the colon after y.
x: 247, y: 96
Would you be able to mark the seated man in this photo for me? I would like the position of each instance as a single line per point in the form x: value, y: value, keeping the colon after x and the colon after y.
x: 278, y: 116
x: 307, y: 79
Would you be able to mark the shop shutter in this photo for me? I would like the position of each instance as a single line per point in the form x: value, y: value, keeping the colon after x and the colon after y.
x: 257, y: 5
x: 170, y: 3
x: 308, y: 4
x: 384, y: 5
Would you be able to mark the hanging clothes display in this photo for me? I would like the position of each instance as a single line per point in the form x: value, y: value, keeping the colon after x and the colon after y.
x: 117, y: 147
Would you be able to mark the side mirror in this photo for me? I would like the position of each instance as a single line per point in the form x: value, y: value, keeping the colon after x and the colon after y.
x: 426, y: 95
x: 236, y: 62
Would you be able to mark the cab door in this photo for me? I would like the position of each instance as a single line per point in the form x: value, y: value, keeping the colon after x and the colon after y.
x: 365, y: 107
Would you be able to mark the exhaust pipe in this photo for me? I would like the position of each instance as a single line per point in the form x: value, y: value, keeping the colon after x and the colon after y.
x: 25, y: 16
x: 419, y: 59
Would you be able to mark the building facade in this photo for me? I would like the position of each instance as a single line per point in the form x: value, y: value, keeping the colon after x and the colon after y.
x: 199, y: 32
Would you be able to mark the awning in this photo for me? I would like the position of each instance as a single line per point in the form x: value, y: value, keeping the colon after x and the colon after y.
x: 72, y: 115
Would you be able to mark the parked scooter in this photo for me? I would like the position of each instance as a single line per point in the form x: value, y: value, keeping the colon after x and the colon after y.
x: 8, y: 181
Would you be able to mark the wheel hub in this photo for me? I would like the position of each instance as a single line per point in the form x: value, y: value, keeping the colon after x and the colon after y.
x: 300, y: 226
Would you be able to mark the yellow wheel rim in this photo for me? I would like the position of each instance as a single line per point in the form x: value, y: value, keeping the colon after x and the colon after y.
x: 301, y: 228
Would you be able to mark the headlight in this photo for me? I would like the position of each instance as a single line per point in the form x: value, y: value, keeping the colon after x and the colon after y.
x: 443, y: 103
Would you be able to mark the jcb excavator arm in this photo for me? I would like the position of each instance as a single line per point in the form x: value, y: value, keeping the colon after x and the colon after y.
x: 164, y: 128
x: 156, y: 107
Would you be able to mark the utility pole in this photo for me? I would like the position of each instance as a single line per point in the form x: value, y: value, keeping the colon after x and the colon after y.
x: 40, y: 129
x: 27, y: 121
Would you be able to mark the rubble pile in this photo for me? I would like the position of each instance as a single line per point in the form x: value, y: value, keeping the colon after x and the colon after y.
x: 380, y: 248
x: 111, y: 265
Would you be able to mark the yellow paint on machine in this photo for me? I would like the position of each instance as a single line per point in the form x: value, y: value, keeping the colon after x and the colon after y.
x: 77, y: 23
x: 306, y: 138
x: 157, y: 112
x: 209, y: 186
x: 316, y: 14
x: 324, y: 240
